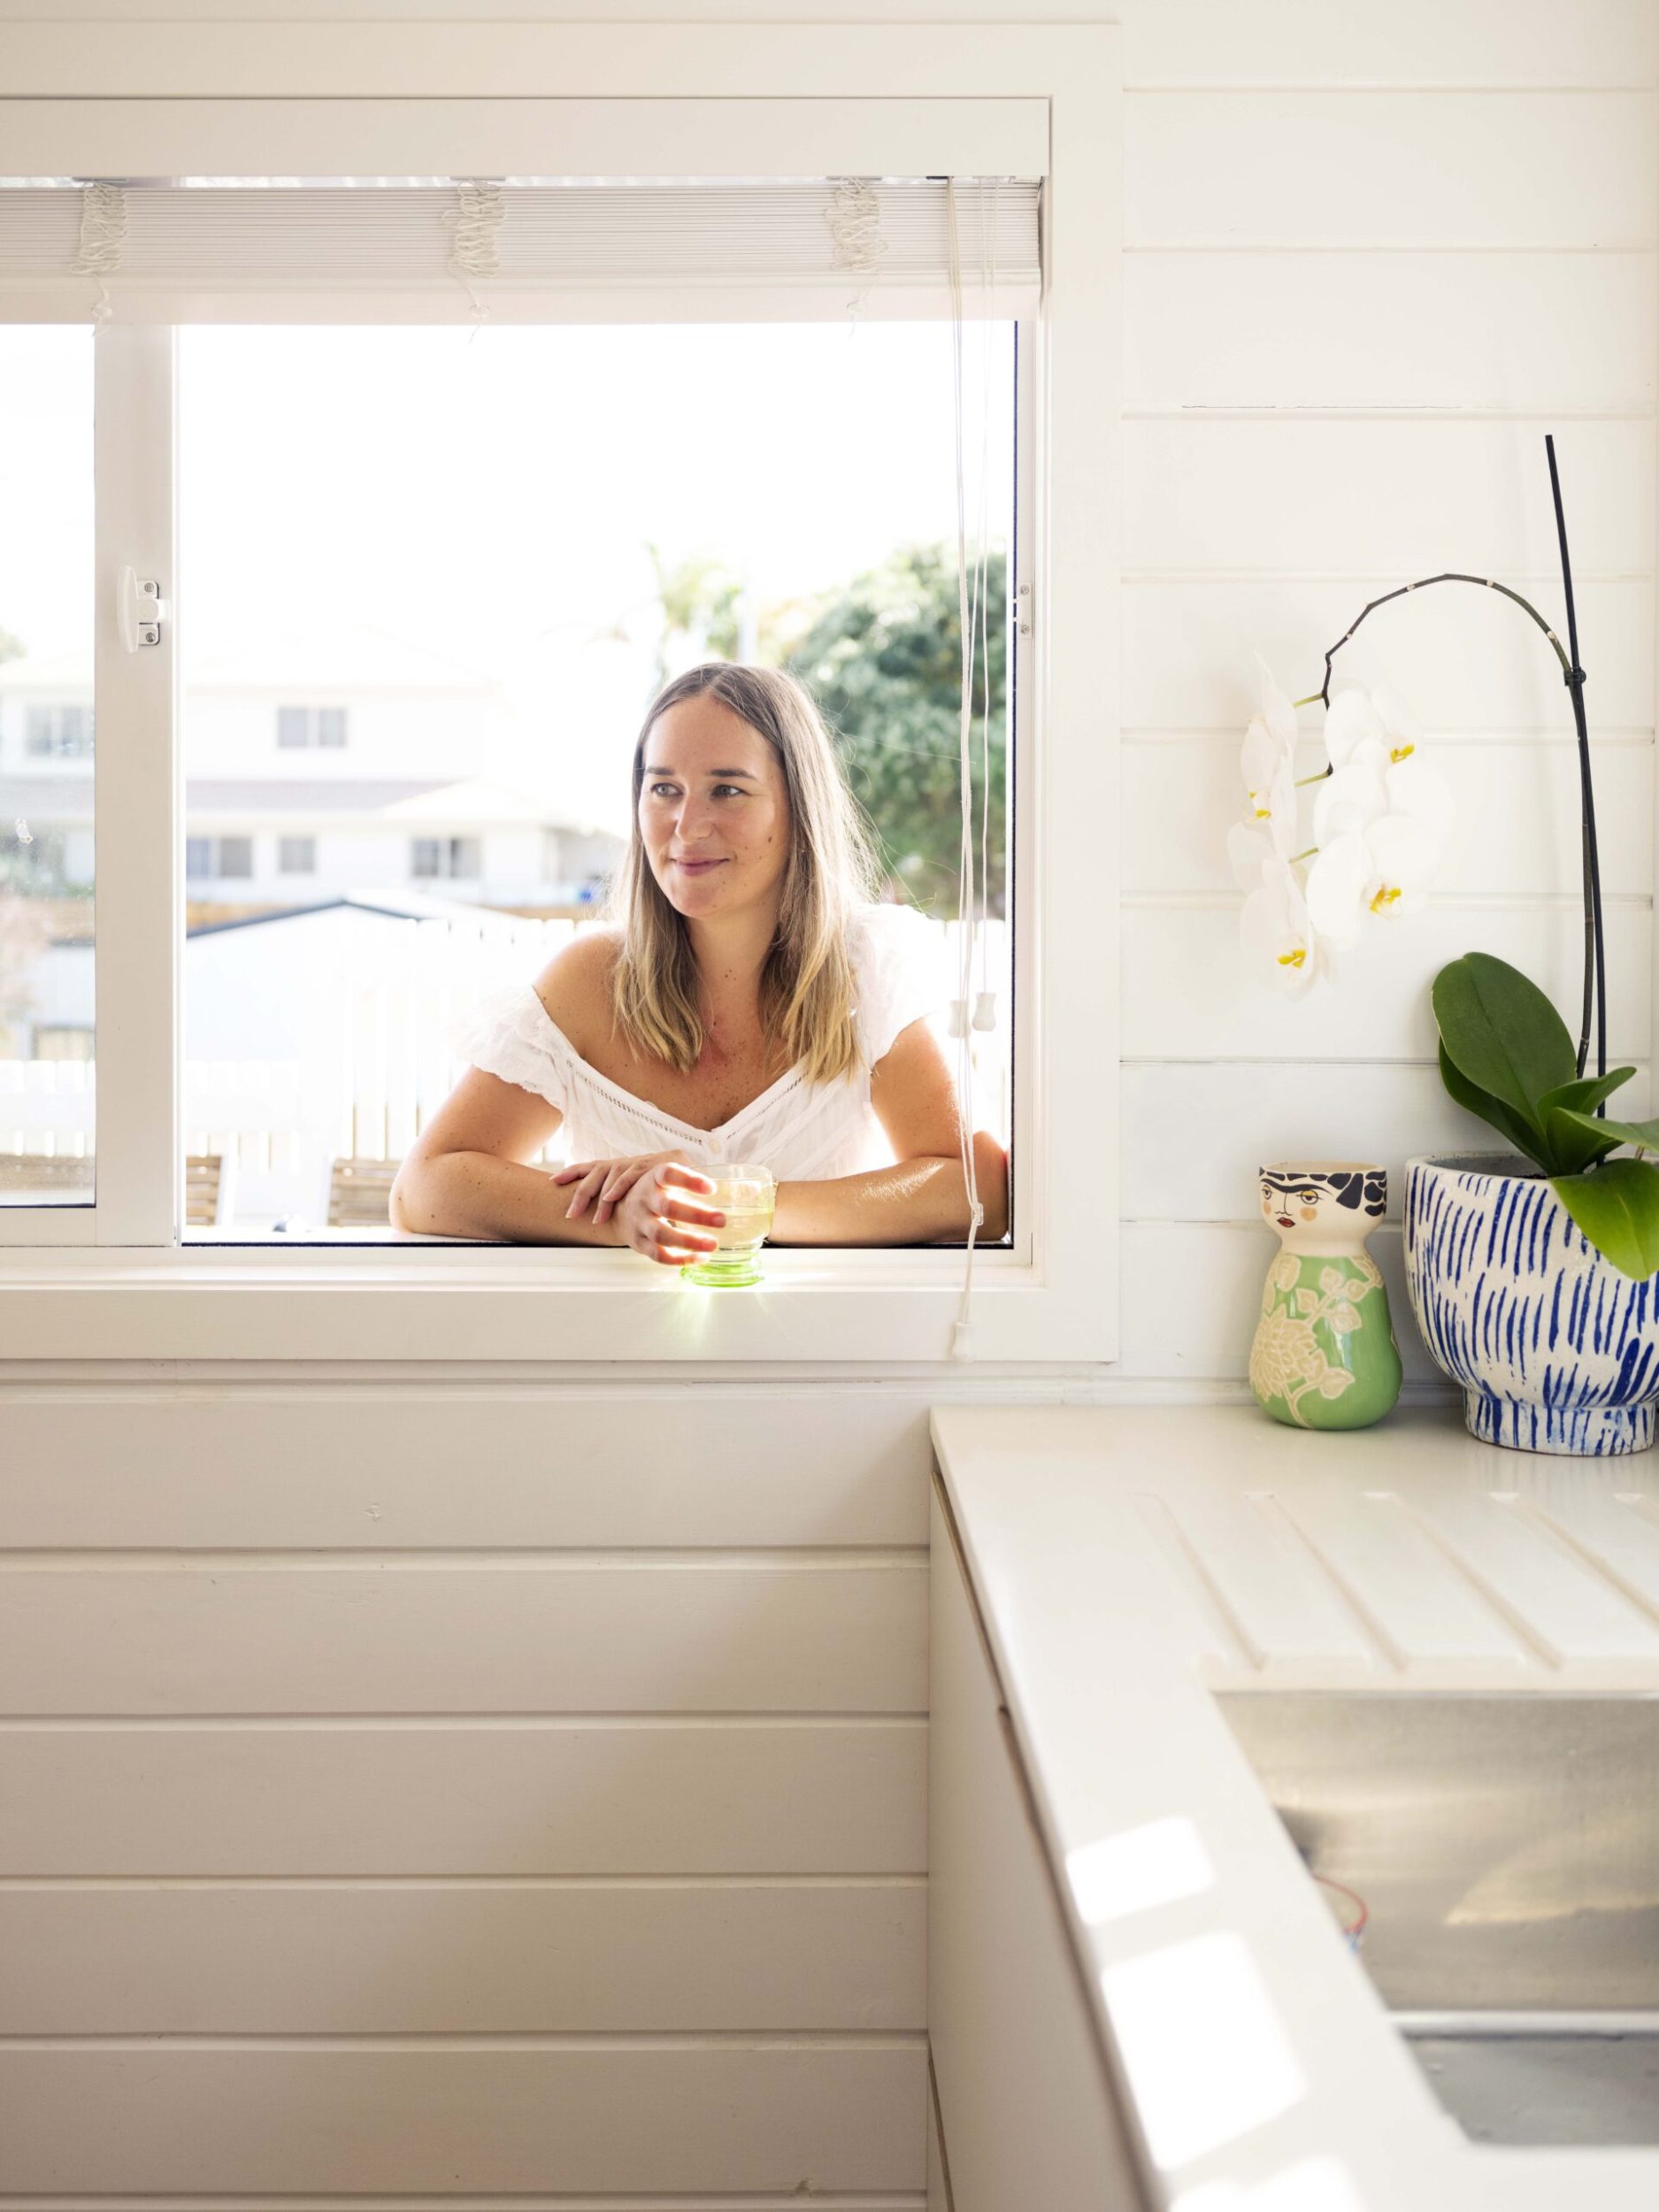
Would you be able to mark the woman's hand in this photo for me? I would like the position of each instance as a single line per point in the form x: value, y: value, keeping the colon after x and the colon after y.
x: 642, y: 1194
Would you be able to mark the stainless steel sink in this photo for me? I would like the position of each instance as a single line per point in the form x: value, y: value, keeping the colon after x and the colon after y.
x: 1506, y: 1849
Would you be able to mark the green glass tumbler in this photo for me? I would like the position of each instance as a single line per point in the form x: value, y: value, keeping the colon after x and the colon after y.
x: 746, y: 1195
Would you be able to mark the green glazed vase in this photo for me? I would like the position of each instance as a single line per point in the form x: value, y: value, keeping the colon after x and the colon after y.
x: 1324, y: 1356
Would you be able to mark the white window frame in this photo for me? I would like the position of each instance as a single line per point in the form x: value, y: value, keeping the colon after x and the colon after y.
x: 110, y: 1281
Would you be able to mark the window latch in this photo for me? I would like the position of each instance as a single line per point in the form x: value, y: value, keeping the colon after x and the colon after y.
x: 141, y: 611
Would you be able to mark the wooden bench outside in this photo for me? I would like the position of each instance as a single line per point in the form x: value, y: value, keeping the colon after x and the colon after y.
x: 359, y: 1194
x: 206, y: 1185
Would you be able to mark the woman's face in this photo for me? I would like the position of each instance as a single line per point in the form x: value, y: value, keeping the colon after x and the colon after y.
x: 714, y: 813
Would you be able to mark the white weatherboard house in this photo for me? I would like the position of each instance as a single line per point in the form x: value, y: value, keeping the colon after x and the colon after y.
x: 318, y: 763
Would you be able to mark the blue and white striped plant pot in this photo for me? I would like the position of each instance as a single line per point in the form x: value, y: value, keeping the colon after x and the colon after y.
x: 1556, y: 1350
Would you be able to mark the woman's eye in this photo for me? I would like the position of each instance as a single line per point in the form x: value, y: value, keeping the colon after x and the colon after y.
x: 658, y: 790
x: 736, y: 789
x: 1311, y: 1198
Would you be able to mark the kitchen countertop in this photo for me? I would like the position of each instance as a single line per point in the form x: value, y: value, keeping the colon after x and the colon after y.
x: 1127, y: 1562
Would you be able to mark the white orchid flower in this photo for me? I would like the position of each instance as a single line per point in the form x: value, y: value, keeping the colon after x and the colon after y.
x: 1268, y: 763
x: 1278, y: 931
x: 1371, y: 859
x: 1374, y: 726
x: 1377, y: 733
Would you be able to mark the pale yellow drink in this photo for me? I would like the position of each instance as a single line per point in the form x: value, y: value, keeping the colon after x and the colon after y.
x: 746, y: 1195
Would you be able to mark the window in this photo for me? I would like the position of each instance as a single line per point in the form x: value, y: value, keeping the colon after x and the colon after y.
x: 58, y: 733
x: 809, y: 103
x: 445, y: 856
x: 60, y: 1042
x: 296, y: 856
x: 207, y: 858
x: 311, y: 726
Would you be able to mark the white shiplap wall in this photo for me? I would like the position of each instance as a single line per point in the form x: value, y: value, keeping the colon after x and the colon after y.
x: 409, y: 1794
x: 427, y: 1790
x: 1371, y: 257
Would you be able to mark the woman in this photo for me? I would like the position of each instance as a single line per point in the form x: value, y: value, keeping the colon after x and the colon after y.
x: 749, y: 1002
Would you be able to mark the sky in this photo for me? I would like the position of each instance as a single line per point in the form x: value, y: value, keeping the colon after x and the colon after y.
x: 490, y: 493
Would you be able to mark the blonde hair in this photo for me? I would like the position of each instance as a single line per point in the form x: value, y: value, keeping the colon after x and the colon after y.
x: 806, y: 982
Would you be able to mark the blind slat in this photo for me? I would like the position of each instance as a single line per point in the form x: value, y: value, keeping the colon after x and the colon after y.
x: 578, y: 236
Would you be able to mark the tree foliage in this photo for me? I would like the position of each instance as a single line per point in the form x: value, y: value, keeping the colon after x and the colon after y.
x: 883, y: 658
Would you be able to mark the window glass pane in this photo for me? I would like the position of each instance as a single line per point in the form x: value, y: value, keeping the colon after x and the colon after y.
x: 531, y: 529
x: 47, y: 1067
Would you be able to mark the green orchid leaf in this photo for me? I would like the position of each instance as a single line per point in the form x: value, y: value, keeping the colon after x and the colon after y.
x: 1586, y: 1093
x: 1492, y: 1110
x: 1503, y: 1034
x: 1645, y: 1134
x: 1617, y: 1208
x: 1576, y: 1141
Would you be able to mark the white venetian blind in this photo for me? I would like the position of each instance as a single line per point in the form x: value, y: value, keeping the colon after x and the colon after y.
x: 425, y: 249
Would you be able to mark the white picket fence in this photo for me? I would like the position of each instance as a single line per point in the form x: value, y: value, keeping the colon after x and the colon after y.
x: 375, y: 1065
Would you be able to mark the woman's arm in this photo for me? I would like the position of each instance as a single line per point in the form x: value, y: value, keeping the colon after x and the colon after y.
x: 923, y: 1197
x: 467, y: 1174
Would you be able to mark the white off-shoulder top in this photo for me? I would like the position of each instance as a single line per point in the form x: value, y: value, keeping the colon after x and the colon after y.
x: 803, y: 1132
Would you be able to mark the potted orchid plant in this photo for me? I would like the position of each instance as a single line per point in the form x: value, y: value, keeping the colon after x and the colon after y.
x: 1534, y: 1273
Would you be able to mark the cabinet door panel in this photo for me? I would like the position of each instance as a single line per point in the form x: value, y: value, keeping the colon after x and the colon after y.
x: 1025, y: 2111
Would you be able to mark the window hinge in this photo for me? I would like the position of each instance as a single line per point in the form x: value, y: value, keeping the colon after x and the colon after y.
x: 1022, y: 610
x: 141, y: 609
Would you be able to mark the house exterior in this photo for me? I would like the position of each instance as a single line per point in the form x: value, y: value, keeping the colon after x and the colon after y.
x: 318, y: 767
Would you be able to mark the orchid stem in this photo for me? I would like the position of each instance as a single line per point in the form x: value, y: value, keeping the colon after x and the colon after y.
x: 1309, y: 854
x: 1324, y: 772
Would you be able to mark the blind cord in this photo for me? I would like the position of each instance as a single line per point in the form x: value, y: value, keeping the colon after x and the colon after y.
x: 969, y: 615
x: 854, y: 216
x: 475, y: 222
x: 102, y: 236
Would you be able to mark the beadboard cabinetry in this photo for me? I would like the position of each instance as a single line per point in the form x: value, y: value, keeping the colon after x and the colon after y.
x: 1023, y: 2109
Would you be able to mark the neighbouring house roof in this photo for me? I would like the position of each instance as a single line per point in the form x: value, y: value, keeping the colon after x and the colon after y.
x: 415, y: 805
x: 393, y: 905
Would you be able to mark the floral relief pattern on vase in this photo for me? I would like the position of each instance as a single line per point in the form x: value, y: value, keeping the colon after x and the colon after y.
x: 1324, y: 1356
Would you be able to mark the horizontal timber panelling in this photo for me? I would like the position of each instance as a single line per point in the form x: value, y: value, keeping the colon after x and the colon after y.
x: 1193, y: 1291
x: 1522, y: 332
x: 201, y: 1960
x: 1398, y: 498
x: 377, y: 1469
x: 508, y: 1797
x: 1188, y: 996
x: 1484, y: 42
x: 1467, y: 659
x: 1410, y: 169
x: 499, y: 1636
x: 1517, y: 824
x: 746, y: 2116
x: 1196, y: 1133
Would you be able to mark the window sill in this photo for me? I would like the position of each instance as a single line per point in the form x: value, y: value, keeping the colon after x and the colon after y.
x: 342, y: 1298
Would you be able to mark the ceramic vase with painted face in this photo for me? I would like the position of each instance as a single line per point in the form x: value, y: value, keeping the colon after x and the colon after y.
x: 1324, y: 1356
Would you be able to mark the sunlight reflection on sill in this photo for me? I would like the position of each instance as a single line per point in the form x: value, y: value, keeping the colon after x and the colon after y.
x: 1312, y: 2184
x: 1201, y: 2043
x: 1153, y: 1864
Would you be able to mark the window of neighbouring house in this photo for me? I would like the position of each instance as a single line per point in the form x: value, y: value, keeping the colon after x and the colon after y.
x: 320, y: 726
x: 58, y: 733
x: 209, y: 859
x: 446, y: 857
x: 296, y: 856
